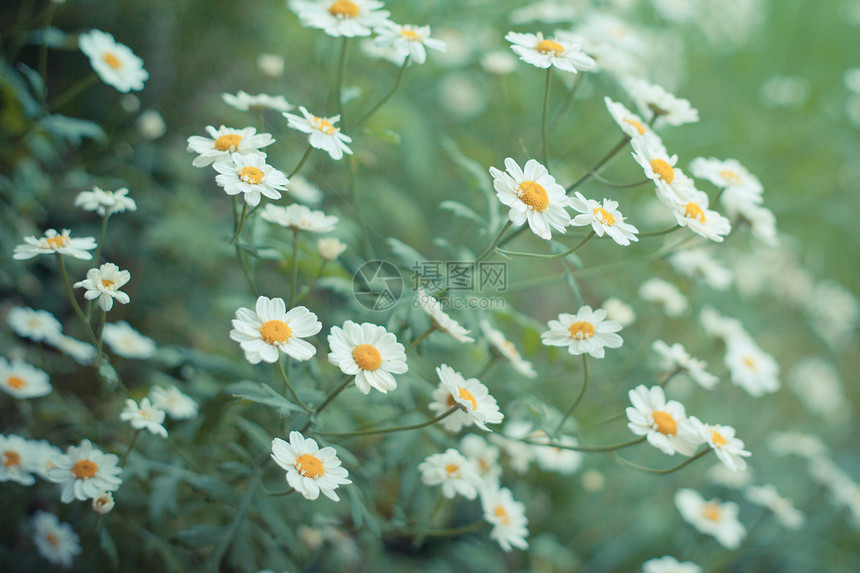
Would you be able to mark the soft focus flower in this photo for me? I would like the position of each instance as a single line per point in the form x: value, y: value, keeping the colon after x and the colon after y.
x: 676, y: 357
x: 662, y: 422
x: 728, y: 174
x: 104, y: 283
x: 751, y: 368
x: 476, y: 404
x: 408, y: 40
x: 57, y: 542
x: 151, y: 124
x: 711, y: 517
x: 223, y: 142
x: 507, y: 350
x: 54, y: 242
x: 37, y: 325
x: 83, y: 352
x: 657, y: 290
x: 84, y: 471
x: 323, y: 134
x: 453, y: 472
x: 735, y: 479
x: 652, y: 99
x: 796, y: 443
x: 370, y: 353
x: 484, y: 457
x: 270, y: 329
x: 17, y: 460
x: 729, y: 449
x: 330, y: 249
x: 699, y: 264
x: 498, y: 62
x: 127, y: 342
x: 543, y: 53
x: 533, y: 196
x: 105, y: 203
x: 619, y: 311
x: 508, y: 518
x: 246, y: 102
x: 21, y: 380
x: 310, y: 470
x: 440, y: 319
x: 299, y: 217
x: 552, y: 458
x: 43, y: 456
x: 347, y: 18
x: 785, y: 512
x: 631, y: 124
x: 511, y: 441
x: 103, y: 503
x: 115, y: 63
x: 586, y: 332
x: 304, y: 191
x: 271, y: 65
x: 175, y: 404
x: 668, y: 564
x: 815, y: 381
x: 251, y: 176
x: 604, y: 218
x: 144, y: 417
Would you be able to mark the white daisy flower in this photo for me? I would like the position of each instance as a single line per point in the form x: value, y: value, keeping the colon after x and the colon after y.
x: 105, y: 203
x: 476, y: 404
x: 484, y: 456
x: 43, y: 456
x: 21, y: 380
x: 18, y: 460
x: 323, y: 134
x: 270, y: 329
x: 84, y: 471
x: 723, y: 327
x: 127, y: 342
x: 650, y: 153
x: 692, y: 212
x: 665, y: 293
x: 115, y: 63
x: 54, y: 242
x: 507, y: 350
x: 103, y: 503
x: 251, y: 176
x: 751, y: 368
x: 453, y: 472
x: 619, y: 311
x: 543, y: 53
x: 533, y: 196
x: 57, y: 542
x: 631, y: 124
x: 246, y: 102
x: 784, y: 510
x: 144, y: 417
x: 700, y: 264
x: 815, y: 381
x: 652, y: 99
x: 739, y: 185
x: 83, y: 352
x: 729, y: 449
x: 761, y: 220
x: 552, y: 458
x: 668, y: 564
x: 508, y: 518
x: 604, y: 218
x: 299, y: 217
x: 408, y: 40
x: 223, y: 142
x: 330, y: 249
x: 676, y: 357
x: 369, y: 352
x: 440, y: 319
x: 348, y: 18
x: 310, y: 470
x: 104, y: 283
x: 711, y: 517
x: 511, y: 441
x: 586, y: 332
x: 304, y: 191
x: 660, y: 421
x: 37, y: 325
x: 175, y: 404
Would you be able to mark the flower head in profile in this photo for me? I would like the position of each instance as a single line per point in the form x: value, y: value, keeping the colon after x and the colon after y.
x: 650, y: 153
x: 144, y: 416
x: 175, y: 404
x: 408, y: 40
x: 631, y: 124
x: 103, y: 503
x: 54, y: 242
x: 507, y: 516
x: 250, y: 176
x: 692, y: 211
x: 738, y: 183
x: 17, y: 460
x: 453, y: 472
x: 668, y: 564
x: 347, y: 18
x: 330, y: 248
x: 370, y: 353
x: 604, y: 218
x: 84, y: 471
x: 440, y: 319
x: 484, y: 457
x: 662, y: 422
x: 268, y: 330
x: 533, y: 196
x: 299, y: 217
x: 223, y: 142
x: 105, y: 203
x: 711, y: 517
x: 586, y: 332
x: 654, y: 100
x: 507, y: 350
x: 768, y: 497
x: 542, y: 52
x: 126, y: 341
x: 476, y: 404
x: 310, y: 470
x: 37, y: 325
x: 104, y: 283
x: 57, y: 542
x: 115, y: 63
x: 20, y: 380
x: 246, y: 102
x: 676, y: 357
x: 82, y: 352
x: 729, y: 449
x: 323, y: 134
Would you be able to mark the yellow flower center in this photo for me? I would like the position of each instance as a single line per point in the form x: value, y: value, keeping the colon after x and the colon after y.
x: 711, y: 511
x: 58, y: 242
x: 309, y: 466
x: 749, y: 362
x: 603, y: 216
x: 107, y: 283
x: 324, y: 126
x: 452, y: 468
x: 547, y: 46
x: 718, y: 439
x: 411, y: 36
x: 534, y: 195
x: 663, y: 170
x: 500, y: 512
x: 251, y: 175
x: 11, y: 458
x: 693, y: 211
x: 466, y: 395
x: 730, y: 176
x: 581, y: 330
x: 228, y: 142
x: 275, y: 331
x: 367, y: 357
x: 666, y: 424
x: 52, y: 539
x: 112, y: 60
x: 84, y: 469
x: 638, y: 126
x: 16, y: 382
x: 344, y: 9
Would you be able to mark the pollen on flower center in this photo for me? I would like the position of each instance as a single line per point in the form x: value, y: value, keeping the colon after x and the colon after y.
x: 717, y: 438
x: 711, y: 511
x: 581, y: 330
x: 638, y: 126
x: 344, y: 9
x: 466, y: 395
x: 57, y: 242
x: 547, y: 46
x: 367, y: 357
x: 11, y: 458
x: 534, y: 195
x: 693, y: 211
x: 84, y: 469
x: 663, y: 170
x: 411, y: 36
x: 251, y: 175
x: 275, y: 331
x: 731, y: 177
x: 112, y: 60
x: 749, y: 362
x: 107, y: 283
x: 309, y: 466
x: 500, y: 512
x: 603, y: 216
x: 324, y: 126
x: 452, y: 468
x: 228, y: 142
x: 666, y: 424
x: 16, y: 382
x: 52, y: 539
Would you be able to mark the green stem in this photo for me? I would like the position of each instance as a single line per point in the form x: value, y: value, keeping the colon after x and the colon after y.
x: 593, y: 171
x: 415, y: 342
x: 578, y: 80
x: 544, y: 147
x: 43, y: 48
x: 302, y: 161
x: 659, y: 233
x: 395, y: 429
x: 73, y: 91
x: 279, y: 493
x: 578, y: 398
x: 489, y: 250
x: 241, y: 224
x: 552, y: 256
x: 488, y: 366
x: 341, y: 68
x: 71, y: 293
x: 213, y: 562
x: 609, y: 448
x: 620, y: 185
x: 667, y: 470
x: 290, y: 387
x: 102, y: 234
x: 387, y: 96
x: 294, y: 279
x: 449, y: 532
x: 130, y: 447
x: 334, y: 393
x: 671, y: 375
x: 102, y: 332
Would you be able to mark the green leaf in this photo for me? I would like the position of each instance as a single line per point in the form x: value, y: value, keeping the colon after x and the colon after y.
x: 360, y: 513
x: 463, y: 211
x: 201, y: 535
x: 260, y: 393
x: 480, y: 175
x: 164, y: 494
x: 108, y: 547
x: 404, y: 253
x: 72, y: 130
x: 574, y: 286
